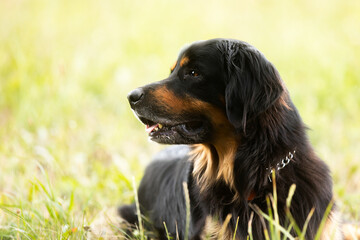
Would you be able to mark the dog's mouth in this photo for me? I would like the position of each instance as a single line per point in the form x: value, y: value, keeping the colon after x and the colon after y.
x: 187, y: 132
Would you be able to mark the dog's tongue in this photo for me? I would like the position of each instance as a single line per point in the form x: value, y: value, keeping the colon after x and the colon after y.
x: 149, y: 129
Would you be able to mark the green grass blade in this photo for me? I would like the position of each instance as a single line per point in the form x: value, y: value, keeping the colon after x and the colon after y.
x: 288, y: 230
x: 167, y: 232
x: 141, y: 229
x: 271, y: 217
x: 276, y: 233
x: 6, y: 210
x: 264, y: 215
x: 323, y: 220
x: 237, y: 223
x: 302, y: 236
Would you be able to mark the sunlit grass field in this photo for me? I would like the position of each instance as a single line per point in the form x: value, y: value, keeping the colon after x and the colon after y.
x: 69, y: 143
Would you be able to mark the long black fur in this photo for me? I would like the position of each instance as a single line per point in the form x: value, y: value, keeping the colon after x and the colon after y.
x: 268, y: 125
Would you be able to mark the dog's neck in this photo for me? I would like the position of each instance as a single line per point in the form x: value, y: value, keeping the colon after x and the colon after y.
x: 218, y: 160
x: 274, y: 136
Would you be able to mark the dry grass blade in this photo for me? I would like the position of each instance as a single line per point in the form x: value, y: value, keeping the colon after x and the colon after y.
x: 187, y: 201
x: 250, y: 237
x: 290, y: 195
x: 222, y: 233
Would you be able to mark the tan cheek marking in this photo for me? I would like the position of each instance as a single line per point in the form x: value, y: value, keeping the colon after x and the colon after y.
x: 225, y: 141
x: 171, y: 102
x: 184, y: 61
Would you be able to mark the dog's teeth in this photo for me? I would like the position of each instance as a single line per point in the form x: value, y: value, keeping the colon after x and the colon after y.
x: 160, y: 125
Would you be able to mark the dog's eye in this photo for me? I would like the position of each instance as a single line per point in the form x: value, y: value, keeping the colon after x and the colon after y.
x: 193, y: 73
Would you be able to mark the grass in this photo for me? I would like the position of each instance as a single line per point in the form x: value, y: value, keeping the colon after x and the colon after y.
x: 276, y: 231
x: 69, y: 144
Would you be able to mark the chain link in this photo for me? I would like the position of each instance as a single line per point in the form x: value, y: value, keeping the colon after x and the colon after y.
x: 280, y: 165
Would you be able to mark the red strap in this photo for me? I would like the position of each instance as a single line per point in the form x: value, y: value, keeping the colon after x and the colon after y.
x: 251, y: 196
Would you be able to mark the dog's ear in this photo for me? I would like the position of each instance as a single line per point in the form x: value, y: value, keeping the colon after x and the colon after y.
x: 252, y: 86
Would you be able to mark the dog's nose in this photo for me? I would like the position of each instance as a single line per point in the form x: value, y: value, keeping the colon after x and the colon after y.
x: 135, y: 96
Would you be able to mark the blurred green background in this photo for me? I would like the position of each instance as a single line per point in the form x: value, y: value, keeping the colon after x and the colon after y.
x: 69, y: 143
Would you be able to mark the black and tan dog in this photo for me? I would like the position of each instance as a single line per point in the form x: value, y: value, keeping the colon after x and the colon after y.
x: 227, y: 103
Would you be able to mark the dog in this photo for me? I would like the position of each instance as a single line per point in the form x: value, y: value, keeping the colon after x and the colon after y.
x: 239, y: 133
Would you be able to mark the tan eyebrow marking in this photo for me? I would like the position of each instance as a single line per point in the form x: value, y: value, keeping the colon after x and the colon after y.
x: 184, y: 61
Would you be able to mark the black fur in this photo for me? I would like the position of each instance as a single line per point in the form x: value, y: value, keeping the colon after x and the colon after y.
x: 237, y: 79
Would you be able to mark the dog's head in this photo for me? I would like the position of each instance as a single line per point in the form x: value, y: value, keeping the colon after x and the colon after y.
x: 216, y: 87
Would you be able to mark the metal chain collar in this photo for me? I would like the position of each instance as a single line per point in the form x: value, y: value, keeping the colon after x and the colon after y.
x: 280, y: 165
